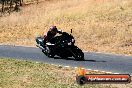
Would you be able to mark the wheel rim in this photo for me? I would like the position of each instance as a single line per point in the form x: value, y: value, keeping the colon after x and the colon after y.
x: 80, y: 57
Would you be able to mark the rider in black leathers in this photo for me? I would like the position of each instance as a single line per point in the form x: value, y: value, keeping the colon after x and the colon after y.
x: 51, y: 33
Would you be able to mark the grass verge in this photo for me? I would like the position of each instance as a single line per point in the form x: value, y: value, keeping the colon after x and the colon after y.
x: 29, y: 74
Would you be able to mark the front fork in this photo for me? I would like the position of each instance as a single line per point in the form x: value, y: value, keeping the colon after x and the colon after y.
x: 41, y: 43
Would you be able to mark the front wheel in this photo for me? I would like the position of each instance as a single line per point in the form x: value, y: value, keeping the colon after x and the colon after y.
x: 51, y: 55
x: 48, y: 53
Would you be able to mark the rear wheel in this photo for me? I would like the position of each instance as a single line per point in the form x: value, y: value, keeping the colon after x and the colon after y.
x: 64, y: 56
x: 80, y: 57
x: 78, y: 54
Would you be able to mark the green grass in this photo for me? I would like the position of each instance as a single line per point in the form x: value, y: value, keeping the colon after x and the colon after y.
x: 29, y: 74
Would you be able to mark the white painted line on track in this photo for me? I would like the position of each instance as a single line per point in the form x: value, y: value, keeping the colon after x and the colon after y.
x: 96, y: 70
x: 109, y: 72
x: 66, y: 66
x: 116, y: 73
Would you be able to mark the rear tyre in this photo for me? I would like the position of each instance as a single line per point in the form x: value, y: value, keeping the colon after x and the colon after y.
x: 65, y: 57
x: 78, y: 54
x: 80, y: 57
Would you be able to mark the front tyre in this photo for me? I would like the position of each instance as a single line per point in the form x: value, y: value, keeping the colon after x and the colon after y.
x: 48, y: 53
x: 51, y: 55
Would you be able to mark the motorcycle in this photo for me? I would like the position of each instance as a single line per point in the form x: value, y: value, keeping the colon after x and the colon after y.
x: 62, y: 46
